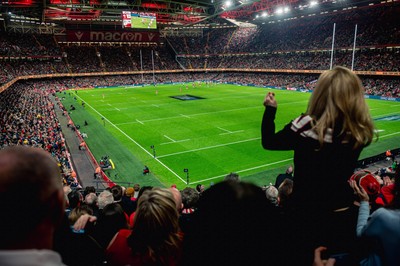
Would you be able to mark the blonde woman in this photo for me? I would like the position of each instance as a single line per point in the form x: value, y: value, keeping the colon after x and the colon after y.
x: 154, y: 238
x: 327, y: 141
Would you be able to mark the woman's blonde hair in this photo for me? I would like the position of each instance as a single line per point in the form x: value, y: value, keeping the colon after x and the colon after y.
x: 156, y: 228
x: 338, y: 103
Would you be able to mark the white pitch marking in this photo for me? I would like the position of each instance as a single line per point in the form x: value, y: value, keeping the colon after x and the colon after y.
x: 384, y: 136
x: 143, y: 101
x: 185, y: 116
x: 209, y: 147
x: 137, y: 144
x: 102, y: 101
x: 241, y: 171
x: 164, y: 143
x: 229, y: 132
x: 170, y: 138
x: 109, y: 104
x: 117, y: 109
x: 385, y: 114
x: 155, y: 105
x: 139, y: 121
x: 237, y: 131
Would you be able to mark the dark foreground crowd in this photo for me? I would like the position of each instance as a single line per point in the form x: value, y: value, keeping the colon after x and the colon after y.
x: 229, y: 223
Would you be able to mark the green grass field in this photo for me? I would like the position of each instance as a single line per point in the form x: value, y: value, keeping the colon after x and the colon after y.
x: 143, y: 23
x: 211, y: 137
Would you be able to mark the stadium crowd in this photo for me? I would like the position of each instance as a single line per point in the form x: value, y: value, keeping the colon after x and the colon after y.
x: 28, y: 119
x: 15, y: 45
x: 383, y: 60
x: 389, y: 87
x: 365, y: 60
x: 376, y: 26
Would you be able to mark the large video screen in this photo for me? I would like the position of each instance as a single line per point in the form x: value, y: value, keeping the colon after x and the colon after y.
x: 137, y: 20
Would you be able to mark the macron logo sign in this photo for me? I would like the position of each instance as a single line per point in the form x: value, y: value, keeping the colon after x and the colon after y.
x: 79, y: 35
x: 112, y: 36
x: 116, y: 36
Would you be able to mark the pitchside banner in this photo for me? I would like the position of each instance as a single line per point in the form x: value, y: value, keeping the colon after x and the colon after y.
x: 112, y: 36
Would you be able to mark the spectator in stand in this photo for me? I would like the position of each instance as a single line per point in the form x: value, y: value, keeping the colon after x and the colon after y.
x: 136, y: 188
x: 129, y: 192
x: 281, y: 177
x: 91, y: 202
x: 141, y: 191
x: 327, y: 142
x: 234, y: 224
x: 200, y: 189
x: 154, y: 238
x: 89, y: 189
x: 111, y: 220
x: 119, y: 197
x: 234, y: 177
x: 189, y: 200
x: 381, y: 228
x: 32, y: 197
x: 78, y: 212
x: 272, y: 194
x: 117, y: 192
x: 105, y: 198
x: 285, y: 189
x: 75, y: 199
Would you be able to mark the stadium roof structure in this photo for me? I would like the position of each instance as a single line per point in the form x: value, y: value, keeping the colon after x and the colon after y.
x: 169, y: 12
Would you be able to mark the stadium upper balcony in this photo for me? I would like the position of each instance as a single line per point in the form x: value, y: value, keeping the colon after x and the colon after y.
x: 16, y: 45
x: 376, y: 27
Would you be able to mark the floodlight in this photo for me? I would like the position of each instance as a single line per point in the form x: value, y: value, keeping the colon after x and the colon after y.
x: 286, y: 9
x: 228, y: 3
x: 264, y: 14
x: 256, y: 16
x: 313, y: 3
x: 279, y: 11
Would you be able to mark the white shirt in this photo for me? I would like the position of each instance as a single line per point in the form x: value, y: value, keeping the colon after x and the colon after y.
x: 30, y: 257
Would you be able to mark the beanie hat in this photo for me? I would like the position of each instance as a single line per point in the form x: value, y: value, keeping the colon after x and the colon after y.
x: 129, y: 191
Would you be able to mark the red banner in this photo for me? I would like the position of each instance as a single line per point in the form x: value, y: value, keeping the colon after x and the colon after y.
x: 112, y: 36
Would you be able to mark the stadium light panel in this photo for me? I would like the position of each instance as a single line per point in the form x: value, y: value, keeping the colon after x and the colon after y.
x: 264, y: 14
x: 313, y: 3
x: 279, y: 11
x: 286, y: 9
x: 228, y: 3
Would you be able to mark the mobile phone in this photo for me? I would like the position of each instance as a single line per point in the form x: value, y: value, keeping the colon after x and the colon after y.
x: 342, y: 259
